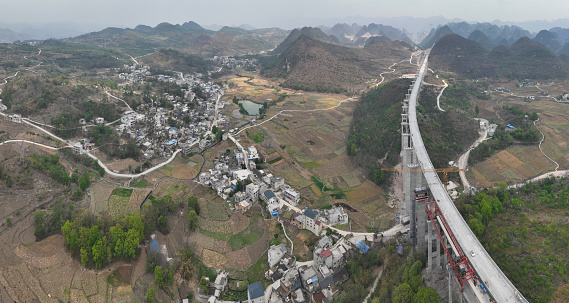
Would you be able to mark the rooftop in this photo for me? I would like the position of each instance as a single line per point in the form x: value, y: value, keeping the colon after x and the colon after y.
x: 269, y: 194
x: 255, y: 290
x: 309, y: 212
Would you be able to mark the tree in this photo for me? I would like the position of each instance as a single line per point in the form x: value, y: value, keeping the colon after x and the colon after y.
x: 379, y: 177
x: 192, y: 219
x: 99, y: 254
x: 9, y: 181
x: 426, y: 295
x: 476, y: 110
x: 415, y: 269
x: 131, y: 243
x: 193, y: 204
x: 117, y: 241
x: 9, y: 221
x: 403, y: 294
x: 84, y: 257
x: 150, y: 294
x: 353, y: 149
x: 39, y: 224
x: 84, y: 181
x: 187, y: 119
x: 159, y: 275
x: 476, y: 226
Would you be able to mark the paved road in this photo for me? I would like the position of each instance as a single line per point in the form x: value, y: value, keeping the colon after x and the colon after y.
x: 392, y: 232
x: 117, y: 98
x: 541, y: 150
x: 463, y: 160
x: 439, y: 96
x: 34, y: 143
x: 496, y: 282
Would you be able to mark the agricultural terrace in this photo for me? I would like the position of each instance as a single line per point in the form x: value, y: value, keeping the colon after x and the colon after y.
x: 521, y: 162
x: 305, y: 146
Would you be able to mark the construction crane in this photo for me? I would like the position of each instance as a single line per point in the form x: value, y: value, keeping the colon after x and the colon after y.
x: 436, y: 170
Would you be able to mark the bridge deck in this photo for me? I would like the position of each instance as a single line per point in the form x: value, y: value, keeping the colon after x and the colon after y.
x: 493, y: 278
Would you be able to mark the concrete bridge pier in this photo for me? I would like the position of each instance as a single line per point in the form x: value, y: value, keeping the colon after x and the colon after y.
x: 429, y: 248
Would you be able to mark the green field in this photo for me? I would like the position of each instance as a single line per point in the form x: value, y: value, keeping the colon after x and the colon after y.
x: 244, y: 238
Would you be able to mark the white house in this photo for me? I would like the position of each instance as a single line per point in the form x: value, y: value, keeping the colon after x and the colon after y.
x: 252, y: 190
x: 253, y: 153
x: 241, y: 174
x: 292, y: 196
x: 276, y: 253
x: 16, y: 118
x: 334, y: 216
x: 311, y: 221
x: 273, y: 205
x: 78, y: 148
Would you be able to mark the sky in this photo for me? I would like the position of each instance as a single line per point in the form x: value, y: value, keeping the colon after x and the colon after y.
x: 269, y: 13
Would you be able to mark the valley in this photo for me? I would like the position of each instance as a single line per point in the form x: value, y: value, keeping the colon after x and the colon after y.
x: 175, y: 162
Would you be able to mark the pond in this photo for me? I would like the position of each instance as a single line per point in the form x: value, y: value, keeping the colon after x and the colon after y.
x: 251, y: 107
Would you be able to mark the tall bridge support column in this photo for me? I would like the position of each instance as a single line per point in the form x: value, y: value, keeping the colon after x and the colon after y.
x: 406, y: 157
x: 449, y: 284
x: 429, y: 249
x: 438, y: 259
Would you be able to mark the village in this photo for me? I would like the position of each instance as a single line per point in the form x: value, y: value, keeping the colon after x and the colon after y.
x: 192, y: 124
x: 237, y: 177
x: 292, y: 281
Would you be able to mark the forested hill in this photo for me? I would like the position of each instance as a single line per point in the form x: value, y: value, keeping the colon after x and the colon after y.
x: 374, y: 140
x: 524, y: 59
x: 312, y: 65
x: 525, y: 232
x: 446, y: 134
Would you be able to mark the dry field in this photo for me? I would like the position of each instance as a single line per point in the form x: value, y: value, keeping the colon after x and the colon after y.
x: 44, y: 272
x: 183, y: 168
x: 313, y: 143
x: 521, y: 162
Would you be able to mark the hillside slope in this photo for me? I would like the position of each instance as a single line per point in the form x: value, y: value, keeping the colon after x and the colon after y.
x: 190, y: 37
x: 524, y: 59
x: 313, y: 65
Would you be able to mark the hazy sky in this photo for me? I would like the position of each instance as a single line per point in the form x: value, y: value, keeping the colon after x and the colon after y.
x: 265, y: 13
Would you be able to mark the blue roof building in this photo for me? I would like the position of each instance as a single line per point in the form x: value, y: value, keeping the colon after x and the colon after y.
x: 363, y: 247
x: 255, y: 292
x: 309, y: 212
x: 269, y: 194
x: 154, y: 246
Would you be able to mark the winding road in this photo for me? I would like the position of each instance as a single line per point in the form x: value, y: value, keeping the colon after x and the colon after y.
x: 439, y: 96
x: 463, y: 160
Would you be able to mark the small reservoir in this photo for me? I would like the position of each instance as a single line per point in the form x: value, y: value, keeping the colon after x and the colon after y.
x: 251, y: 107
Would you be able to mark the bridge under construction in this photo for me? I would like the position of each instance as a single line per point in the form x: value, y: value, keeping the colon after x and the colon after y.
x: 437, y: 227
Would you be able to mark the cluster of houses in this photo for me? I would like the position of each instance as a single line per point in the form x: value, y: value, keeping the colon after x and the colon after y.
x: 315, y: 220
x: 135, y: 73
x: 257, y: 184
x: 152, y: 125
x: 247, y: 64
x: 307, y: 281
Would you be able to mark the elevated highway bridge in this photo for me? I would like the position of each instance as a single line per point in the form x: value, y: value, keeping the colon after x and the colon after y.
x: 486, y: 271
